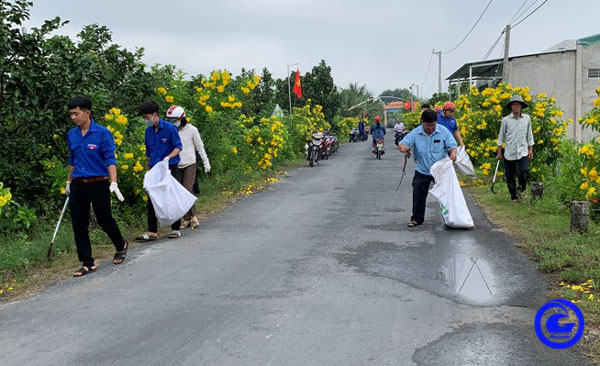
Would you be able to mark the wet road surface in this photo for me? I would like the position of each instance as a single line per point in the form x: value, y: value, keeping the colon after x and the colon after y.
x: 319, y: 269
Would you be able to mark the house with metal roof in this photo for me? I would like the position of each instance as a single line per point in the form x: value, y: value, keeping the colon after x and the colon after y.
x: 568, y: 71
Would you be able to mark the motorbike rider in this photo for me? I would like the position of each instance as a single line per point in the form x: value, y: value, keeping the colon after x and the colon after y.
x: 400, y: 131
x: 377, y: 131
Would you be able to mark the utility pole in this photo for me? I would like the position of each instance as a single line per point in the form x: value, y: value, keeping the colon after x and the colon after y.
x: 506, y: 46
x: 439, y: 53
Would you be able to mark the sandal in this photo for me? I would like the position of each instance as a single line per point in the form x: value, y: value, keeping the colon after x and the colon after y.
x: 146, y: 237
x: 119, y: 257
x: 84, y: 270
x: 194, y: 223
x: 175, y: 234
x: 412, y: 224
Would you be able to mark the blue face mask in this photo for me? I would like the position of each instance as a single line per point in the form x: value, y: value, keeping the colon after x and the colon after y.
x: 177, y: 124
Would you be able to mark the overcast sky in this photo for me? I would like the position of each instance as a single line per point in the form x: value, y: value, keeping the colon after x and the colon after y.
x: 384, y: 44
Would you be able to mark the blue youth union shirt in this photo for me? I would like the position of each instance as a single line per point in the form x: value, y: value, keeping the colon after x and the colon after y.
x: 429, y: 149
x: 92, y: 153
x: 449, y: 123
x: 161, y: 143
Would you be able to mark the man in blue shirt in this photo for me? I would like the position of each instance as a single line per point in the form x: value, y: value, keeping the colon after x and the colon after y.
x: 430, y: 143
x: 91, y: 162
x: 361, y: 130
x: 162, y: 144
x: 446, y: 119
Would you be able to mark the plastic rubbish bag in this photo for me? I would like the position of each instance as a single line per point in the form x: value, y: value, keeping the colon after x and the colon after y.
x: 170, y: 199
x: 463, y: 163
x: 449, y: 194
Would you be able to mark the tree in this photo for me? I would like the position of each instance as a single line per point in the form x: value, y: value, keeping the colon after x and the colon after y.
x: 318, y: 86
x: 353, y: 95
x: 262, y: 101
x: 438, y: 98
x: 39, y: 75
x: 404, y: 94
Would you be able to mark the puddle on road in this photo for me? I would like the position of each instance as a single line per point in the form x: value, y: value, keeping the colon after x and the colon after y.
x: 470, y: 277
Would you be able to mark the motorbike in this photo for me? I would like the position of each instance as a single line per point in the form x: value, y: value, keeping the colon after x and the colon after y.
x: 378, y: 151
x: 354, y: 137
x: 336, y: 142
x: 398, y: 137
x: 331, y: 144
x: 314, y: 148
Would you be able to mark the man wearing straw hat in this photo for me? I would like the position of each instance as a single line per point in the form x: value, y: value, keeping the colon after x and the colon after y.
x: 515, y: 132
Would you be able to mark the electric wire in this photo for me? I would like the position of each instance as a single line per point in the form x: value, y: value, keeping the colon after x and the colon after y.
x: 471, y: 30
x: 524, y: 11
x: 428, y: 67
x: 528, y: 15
x: 489, y: 52
x: 514, y: 17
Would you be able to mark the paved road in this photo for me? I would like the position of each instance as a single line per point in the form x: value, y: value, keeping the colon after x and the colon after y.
x: 318, y: 270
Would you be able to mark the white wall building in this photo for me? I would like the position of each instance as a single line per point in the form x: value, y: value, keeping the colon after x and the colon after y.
x: 569, y: 71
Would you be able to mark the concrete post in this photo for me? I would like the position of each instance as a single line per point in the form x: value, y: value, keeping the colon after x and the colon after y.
x: 537, y: 190
x: 580, y: 216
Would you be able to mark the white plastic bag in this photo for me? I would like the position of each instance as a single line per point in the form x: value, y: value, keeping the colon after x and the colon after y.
x: 449, y: 194
x: 170, y: 199
x: 463, y: 163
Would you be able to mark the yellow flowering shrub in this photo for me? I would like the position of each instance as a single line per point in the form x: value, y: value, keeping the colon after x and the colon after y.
x: 304, y: 122
x: 5, y: 196
x: 130, y: 152
x: 589, y: 154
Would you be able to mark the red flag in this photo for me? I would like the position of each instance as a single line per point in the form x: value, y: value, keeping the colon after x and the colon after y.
x: 297, y: 85
x: 407, y: 105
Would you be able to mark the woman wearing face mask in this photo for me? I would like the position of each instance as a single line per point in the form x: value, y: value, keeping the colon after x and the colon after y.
x: 192, y: 143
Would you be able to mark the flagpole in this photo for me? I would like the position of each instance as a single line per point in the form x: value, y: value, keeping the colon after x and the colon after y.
x: 289, y: 86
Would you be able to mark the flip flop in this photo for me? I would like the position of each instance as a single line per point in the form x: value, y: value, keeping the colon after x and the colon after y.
x: 84, y: 270
x: 412, y: 224
x: 175, y: 234
x: 120, y: 256
x: 146, y: 237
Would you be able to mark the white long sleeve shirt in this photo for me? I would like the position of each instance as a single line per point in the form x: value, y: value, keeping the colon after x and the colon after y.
x: 192, y: 142
x: 516, y: 133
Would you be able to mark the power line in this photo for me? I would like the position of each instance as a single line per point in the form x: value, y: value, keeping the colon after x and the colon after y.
x: 427, y: 72
x: 489, y: 52
x: 534, y: 2
x: 514, y: 17
x: 528, y: 15
x: 473, y: 27
x: 498, y: 66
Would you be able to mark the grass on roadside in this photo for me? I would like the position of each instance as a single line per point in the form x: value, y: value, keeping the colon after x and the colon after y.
x: 23, y: 266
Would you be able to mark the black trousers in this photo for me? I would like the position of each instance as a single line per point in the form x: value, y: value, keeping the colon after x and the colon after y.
x: 510, y: 170
x: 152, y: 220
x: 98, y: 195
x: 420, y: 186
